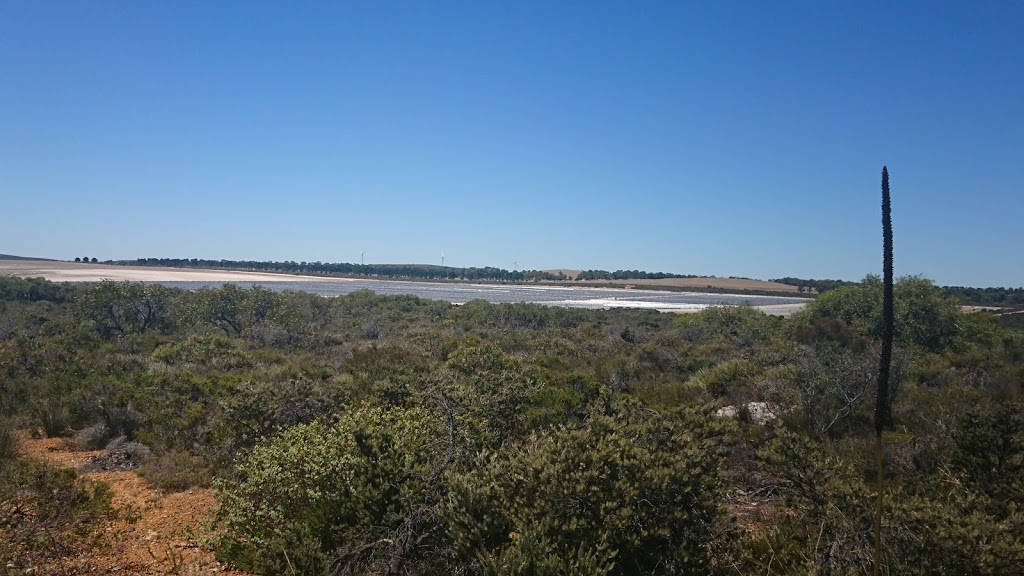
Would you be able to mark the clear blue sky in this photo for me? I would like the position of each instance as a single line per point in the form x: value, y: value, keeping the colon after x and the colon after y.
x: 726, y: 138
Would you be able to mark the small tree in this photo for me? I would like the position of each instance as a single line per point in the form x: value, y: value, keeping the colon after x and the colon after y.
x: 123, y: 308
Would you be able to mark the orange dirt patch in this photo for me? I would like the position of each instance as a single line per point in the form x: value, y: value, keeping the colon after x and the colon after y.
x: 158, y: 532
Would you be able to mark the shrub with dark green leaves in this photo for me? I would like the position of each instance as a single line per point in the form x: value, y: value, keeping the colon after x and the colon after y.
x: 989, y: 448
x: 925, y: 317
x: 629, y: 491
x: 490, y: 391
x: 935, y: 524
x: 120, y: 309
x: 264, y: 408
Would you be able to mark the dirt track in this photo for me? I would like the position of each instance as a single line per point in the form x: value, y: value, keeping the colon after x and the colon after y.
x: 162, y: 540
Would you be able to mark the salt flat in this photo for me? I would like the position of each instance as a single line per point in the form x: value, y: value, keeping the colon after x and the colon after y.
x: 455, y: 292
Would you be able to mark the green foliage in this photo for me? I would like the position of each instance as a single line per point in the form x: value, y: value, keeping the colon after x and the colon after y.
x: 13, y: 288
x: 328, y: 499
x: 53, y: 416
x: 742, y: 326
x: 719, y: 379
x: 986, y: 296
x: 452, y: 441
x: 238, y: 311
x: 935, y: 524
x: 831, y: 531
x: 175, y: 470
x: 489, y: 392
x: 45, y: 514
x: 819, y: 286
x: 629, y: 492
x: 924, y: 316
x: 264, y: 408
x: 834, y: 388
x: 422, y: 271
x: 8, y: 442
x: 532, y: 555
x: 204, y: 351
x: 988, y: 449
x: 124, y: 308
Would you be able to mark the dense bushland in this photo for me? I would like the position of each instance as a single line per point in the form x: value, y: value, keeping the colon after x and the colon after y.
x: 395, y: 435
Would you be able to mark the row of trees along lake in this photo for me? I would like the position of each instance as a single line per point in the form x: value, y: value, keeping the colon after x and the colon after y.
x: 368, y: 434
x: 404, y: 271
x: 1008, y: 297
x: 397, y: 271
x: 971, y: 296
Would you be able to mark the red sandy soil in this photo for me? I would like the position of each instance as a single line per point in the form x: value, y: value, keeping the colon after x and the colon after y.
x: 157, y: 532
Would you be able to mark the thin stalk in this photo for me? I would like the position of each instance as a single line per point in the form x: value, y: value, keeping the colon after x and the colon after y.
x: 882, y: 400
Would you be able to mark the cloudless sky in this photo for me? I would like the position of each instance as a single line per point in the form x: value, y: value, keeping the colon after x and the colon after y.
x: 726, y: 138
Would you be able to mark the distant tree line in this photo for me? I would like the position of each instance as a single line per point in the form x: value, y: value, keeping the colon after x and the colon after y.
x: 966, y: 295
x: 417, y: 271
x: 811, y: 285
x: 629, y: 275
x: 986, y: 296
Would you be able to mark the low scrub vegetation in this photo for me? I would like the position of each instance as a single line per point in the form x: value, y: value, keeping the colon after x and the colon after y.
x: 395, y: 435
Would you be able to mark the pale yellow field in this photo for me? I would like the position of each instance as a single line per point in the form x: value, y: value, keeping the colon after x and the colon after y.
x: 58, y: 271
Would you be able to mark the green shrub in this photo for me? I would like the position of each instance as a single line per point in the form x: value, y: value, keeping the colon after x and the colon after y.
x: 719, y: 380
x: 120, y: 309
x: 834, y: 388
x: 13, y: 288
x: 263, y: 408
x: 629, y: 491
x: 8, y: 442
x: 54, y: 416
x: 934, y: 524
x: 317, y: 499
x: 532, y: 555
x: 989, y: 449
x: 924, y: 316
x: 46, y: 513
x: 176, y: 470
x: 205, y: 351
x: 490, y: 392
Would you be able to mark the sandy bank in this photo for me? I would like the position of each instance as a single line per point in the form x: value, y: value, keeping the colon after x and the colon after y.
x: 57, y: 271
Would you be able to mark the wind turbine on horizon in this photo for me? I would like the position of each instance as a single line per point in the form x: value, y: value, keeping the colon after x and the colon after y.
x: 442, y: 258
